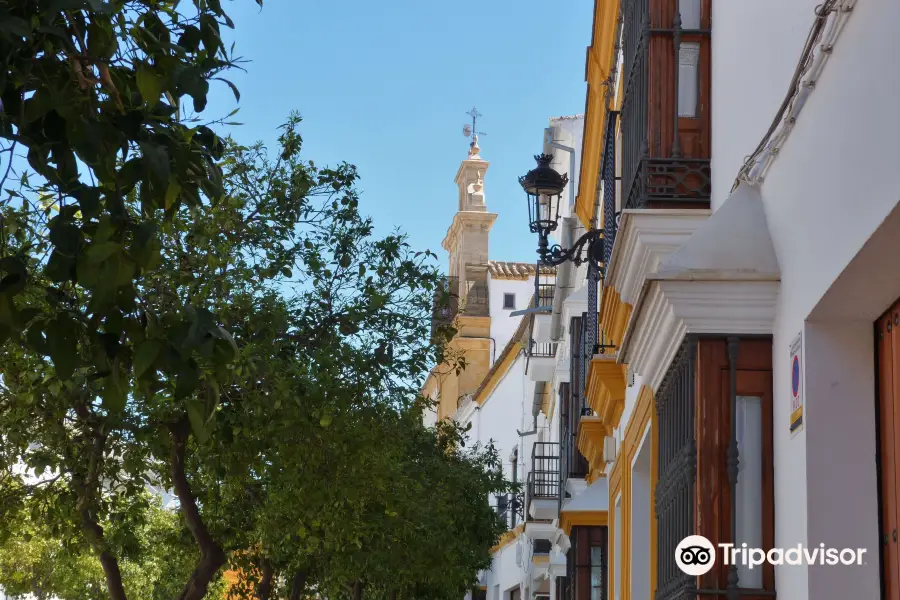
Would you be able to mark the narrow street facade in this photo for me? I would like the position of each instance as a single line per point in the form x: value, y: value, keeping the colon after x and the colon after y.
x: 731, y: 369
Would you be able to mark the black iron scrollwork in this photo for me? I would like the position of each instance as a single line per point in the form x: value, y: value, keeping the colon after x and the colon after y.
x: 588, y: 248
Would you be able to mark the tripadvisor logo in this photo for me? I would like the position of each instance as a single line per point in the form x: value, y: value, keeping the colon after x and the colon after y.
x: 695, y: 555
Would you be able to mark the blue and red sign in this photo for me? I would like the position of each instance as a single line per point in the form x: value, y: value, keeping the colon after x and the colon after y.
x: 795, y: 376
x: 796, y: 382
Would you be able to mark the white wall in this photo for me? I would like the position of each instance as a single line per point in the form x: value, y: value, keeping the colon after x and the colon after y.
x: 567, y: 131
x: 504, y: 412
x: 841, y: 440
x: 504, y: 572
x: 831, y: 187
x: 502, y: 325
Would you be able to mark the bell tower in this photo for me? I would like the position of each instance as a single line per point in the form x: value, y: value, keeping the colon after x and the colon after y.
x: 467, y: 244
x: 467, y: 237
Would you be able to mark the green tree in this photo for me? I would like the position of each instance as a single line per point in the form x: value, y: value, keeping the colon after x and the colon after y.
x: 255, y: 364
x: 94, y: 93
x: 36, y: 559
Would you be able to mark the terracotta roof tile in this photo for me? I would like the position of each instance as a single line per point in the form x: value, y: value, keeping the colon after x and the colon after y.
x: 516, y: 270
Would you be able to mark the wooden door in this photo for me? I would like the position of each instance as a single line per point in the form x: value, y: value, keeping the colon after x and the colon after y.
x: 888, y: 340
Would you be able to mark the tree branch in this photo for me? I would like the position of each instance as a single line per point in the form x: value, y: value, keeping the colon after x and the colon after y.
x: 94, y: 533
x: 297, y: 585
x: 85, y: 491
x: 212, y: 557
x: 264, y: 588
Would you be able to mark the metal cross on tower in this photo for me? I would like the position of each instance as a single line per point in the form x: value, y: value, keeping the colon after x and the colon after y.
x: 471, y: 131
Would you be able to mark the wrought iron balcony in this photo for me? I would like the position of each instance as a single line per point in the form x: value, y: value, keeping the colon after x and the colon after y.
x: 665, y: 153
x: 572, y: 464
x: 544, y: 294
x: 543, y: 479
x: 542, y: 350
x: 669, y: 183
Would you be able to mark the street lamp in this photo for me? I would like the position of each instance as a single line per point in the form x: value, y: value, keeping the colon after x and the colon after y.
x: 544, y: 187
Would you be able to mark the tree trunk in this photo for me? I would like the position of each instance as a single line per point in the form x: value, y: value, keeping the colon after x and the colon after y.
x: 297, y: 585
x: 264, y: 589
x: 357, y: 590
x: 85, y: 485
x: 392, y: 595
x: 212, y: 557
x: 108, y: 560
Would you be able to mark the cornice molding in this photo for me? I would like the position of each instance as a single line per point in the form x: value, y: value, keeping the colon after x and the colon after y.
x: 461, y: 219
x: 469, y: 165
x: 644, y: 239
x: 668, y: 310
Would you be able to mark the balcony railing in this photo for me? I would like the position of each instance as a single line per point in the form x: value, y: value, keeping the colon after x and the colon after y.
x: 571, y: 462
x: 543, y: 479
x: 670, y: 182
x: 608, y: 176
x: 544, y: 294
x: 655, y: 171
x: 542, y: 350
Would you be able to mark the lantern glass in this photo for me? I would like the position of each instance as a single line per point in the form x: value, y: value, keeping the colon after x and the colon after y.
x: 544, y: 187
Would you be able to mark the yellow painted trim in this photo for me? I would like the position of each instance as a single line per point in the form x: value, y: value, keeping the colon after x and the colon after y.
x: 570, y: 519
x: 612, y: 531
x: 508, y: 538
x: 591, y: 431
x: 615, y: 528
x: 488, y: 387
x: 644, y: 414
x: 540, y: 559
x: 545, y: 405
x: 600, y: 61
x: 614, y: 314
x: 605, y: 390
x: 593, y: 475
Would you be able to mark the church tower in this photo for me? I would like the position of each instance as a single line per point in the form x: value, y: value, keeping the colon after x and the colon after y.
x: 467, y: 244
x: 467, y: 237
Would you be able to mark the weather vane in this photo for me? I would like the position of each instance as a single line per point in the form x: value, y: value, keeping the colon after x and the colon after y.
x: 469, y: 131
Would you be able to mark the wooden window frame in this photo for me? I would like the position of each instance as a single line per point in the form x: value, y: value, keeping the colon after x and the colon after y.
x: 583, y: 539
x: 713, y: 436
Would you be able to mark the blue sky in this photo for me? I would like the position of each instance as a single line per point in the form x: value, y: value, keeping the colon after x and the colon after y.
x: 386, y: 85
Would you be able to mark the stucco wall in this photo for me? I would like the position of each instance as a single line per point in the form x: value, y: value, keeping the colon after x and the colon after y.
x: 504, y: 572
x: 832, y: 185
x: 502, y: 325
x: 504, y: 412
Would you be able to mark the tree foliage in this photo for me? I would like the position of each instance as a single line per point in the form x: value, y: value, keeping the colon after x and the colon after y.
x: 35, y: 561
x: 266, y: 369
x: 181, y: 311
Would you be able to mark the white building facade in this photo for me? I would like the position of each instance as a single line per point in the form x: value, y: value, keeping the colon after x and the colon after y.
x: 732, y: 373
